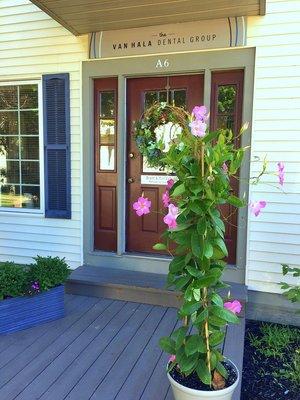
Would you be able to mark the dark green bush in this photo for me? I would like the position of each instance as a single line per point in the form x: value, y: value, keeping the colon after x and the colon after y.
x: 13, y: 280
x: 49, y: 272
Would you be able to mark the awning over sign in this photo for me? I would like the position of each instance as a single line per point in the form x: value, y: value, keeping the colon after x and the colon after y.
x: 85, y: 16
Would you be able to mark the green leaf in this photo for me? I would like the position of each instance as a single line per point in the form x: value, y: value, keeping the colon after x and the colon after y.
x: 188, y: 258
x: 217, y: 221
x: 216, y: 338
x: 201, y: 317
x: 179, y: 335
x: 206, y: 280
x: 189, y: 308
x: 187, y: 363
x: 201, y: 226
x: 285, y: 268
x: 195, y: 242
x: 167, y: 344
x: 236, y: 201
x: 193, y: 271
x: 213, y: 359
x: 203, y: 372
x: 210, y: 136
x: 196, y: 208
x: 180, y: 189
x: 195, y: 344
x: 197, y: 294
x: 177, y: 264
x: 221, y: 244
x: 208, y: 250
x: 182, y: 281
x: 181, y: 227
x: 216, y: 321
x: 217, y: 299
x: 159, y: 246
x: 222, y: 370
x: 225, y: 314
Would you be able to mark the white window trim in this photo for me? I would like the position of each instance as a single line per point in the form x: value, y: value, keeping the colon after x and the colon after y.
x: 39, y: 211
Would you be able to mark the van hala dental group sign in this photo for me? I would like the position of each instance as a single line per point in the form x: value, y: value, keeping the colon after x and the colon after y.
x: 209, y: 34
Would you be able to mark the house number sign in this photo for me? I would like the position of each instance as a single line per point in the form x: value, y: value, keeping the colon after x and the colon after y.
x: 162, y: 63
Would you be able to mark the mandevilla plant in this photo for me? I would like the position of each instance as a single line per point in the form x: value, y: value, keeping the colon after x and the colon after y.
x: 204, y: 165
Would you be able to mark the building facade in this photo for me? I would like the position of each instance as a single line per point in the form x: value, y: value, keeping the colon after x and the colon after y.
x: 70, y: 195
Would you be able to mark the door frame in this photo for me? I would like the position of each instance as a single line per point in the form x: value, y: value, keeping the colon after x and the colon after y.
x: 143, y: 66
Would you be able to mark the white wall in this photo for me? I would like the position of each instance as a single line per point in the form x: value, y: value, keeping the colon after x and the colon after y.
x: 32, y: 44
x: 274, y: 236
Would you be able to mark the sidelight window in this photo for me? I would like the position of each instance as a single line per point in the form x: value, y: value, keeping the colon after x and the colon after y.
x: 107, y: 131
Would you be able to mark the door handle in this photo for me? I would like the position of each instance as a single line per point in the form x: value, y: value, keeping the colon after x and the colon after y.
x: 130, y: 180
x: 131, y: 155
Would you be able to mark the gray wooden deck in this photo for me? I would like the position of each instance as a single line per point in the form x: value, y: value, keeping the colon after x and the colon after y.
x: 103, y: 349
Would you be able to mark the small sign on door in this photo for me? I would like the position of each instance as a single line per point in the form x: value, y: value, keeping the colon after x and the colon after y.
x: 156, y: 179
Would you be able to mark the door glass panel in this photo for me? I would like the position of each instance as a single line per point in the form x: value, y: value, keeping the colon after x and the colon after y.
x: 163, y: 96
x: 107, y: 104
x: 107, y: 131
x: 225, y: 121
x: 176, y: 96
x: 179, y: 98
x: 226, y: 106
x: 226, y: 99
x: 150, y: 98
x: 107, y: 158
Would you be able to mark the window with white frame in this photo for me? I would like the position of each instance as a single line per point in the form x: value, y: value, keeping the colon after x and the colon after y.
x: 19, y: 146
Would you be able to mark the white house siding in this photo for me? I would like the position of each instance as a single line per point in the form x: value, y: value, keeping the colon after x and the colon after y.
x: 33, y: 44
x: 274, y: 236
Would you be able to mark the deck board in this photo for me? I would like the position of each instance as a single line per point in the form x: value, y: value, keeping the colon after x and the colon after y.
x: 102, y: 349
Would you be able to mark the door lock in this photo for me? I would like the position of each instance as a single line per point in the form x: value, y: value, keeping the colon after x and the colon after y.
x: 130, y: 180
x: 131, y: 155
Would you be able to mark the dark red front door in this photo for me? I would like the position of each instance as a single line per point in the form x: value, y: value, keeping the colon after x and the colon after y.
x: 186, y: 91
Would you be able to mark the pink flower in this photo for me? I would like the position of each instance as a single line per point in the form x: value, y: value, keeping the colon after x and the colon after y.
x: 198, y: 127
x: 234, y: 306
x: 200, y: 113
x: 166, y: 199
x: 256, y: 206
x: 224, y: 167
x: 172, y: 358
x: 170, y: 218
x: 280, y: 167
x: 142, y: 206
x: 170, y: 183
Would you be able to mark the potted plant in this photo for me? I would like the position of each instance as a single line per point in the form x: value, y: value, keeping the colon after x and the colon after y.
x: 31, y: 295
x: 204, y: 165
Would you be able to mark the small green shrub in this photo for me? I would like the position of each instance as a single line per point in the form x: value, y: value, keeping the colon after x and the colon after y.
x: 291, y: 370
x: 13, y: 280
x: 292, y: 292
x: 49, y: 272
x: 274, y: 339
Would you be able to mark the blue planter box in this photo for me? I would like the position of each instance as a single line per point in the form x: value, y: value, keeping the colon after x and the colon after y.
x: 24, y: 312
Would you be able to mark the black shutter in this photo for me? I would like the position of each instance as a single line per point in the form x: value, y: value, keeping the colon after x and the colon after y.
x: 56, y: 110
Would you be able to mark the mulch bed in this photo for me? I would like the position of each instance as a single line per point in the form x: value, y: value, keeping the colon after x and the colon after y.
x: 258, y: 381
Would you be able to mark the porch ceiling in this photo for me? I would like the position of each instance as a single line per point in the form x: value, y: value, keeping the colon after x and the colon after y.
x: 84, y: 16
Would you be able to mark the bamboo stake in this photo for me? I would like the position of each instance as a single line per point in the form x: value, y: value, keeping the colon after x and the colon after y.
x: 206, y: 329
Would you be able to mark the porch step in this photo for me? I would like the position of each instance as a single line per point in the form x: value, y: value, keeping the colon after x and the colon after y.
x: 141, y: 287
